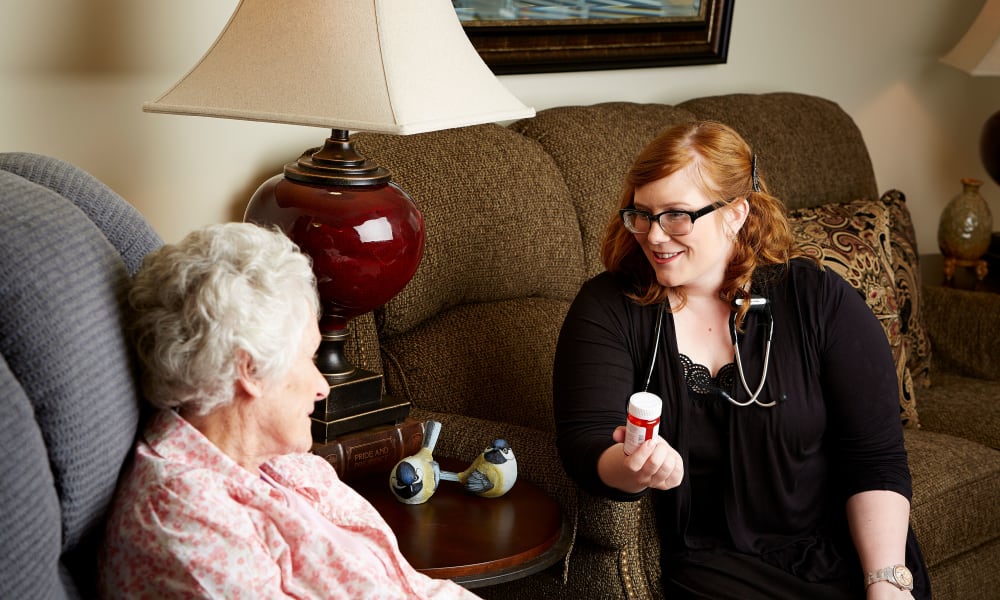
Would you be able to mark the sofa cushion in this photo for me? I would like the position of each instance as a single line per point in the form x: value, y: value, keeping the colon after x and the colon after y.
x: 500, y: 351
x: 853, y: 239
x: 783, y: 129
x: 499, y: 220
x: 595, y: 172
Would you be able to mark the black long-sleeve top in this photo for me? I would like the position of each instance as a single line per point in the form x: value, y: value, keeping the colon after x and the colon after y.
x: 785, y: 472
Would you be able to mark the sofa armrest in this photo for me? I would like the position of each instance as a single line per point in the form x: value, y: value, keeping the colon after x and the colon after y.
x: 961, y: 406
x: 608, y: 523
x: 962, y: 326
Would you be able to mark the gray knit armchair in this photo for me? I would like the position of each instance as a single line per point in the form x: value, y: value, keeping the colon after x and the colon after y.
x: 70, y: 408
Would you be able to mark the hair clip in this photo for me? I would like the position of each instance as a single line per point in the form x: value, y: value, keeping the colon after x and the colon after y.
x: 753, y: 169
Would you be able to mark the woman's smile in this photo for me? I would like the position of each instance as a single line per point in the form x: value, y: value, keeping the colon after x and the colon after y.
x: 665, y: 257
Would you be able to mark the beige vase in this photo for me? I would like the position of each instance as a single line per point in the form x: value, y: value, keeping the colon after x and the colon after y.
x: 966, y: 224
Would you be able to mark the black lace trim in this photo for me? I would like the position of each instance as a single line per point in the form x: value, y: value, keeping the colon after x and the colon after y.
x: 701, y: 383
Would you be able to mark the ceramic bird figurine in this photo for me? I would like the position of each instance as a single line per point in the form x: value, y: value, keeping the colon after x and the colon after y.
x: 491, y: 474
x: 415, y: 478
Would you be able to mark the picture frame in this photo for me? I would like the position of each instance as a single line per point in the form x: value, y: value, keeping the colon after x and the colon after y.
x: 514, y: 44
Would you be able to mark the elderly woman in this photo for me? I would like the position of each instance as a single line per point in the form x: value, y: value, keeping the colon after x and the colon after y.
x: 222, y: 499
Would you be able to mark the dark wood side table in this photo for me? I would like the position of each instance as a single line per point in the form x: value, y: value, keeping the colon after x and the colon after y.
x: 932, y: 272
x: 471, y: 540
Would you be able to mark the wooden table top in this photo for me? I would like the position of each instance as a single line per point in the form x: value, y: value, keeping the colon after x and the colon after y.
x: 474, y: 541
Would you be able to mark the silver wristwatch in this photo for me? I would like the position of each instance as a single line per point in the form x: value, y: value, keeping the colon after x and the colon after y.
x: 897, y: 575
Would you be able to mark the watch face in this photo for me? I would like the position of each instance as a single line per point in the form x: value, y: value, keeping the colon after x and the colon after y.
x: 903, y: 576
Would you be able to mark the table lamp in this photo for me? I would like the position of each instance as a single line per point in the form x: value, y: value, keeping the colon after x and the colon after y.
x: 978, y: 54
x: 387, y: 66
x: 966, y: 223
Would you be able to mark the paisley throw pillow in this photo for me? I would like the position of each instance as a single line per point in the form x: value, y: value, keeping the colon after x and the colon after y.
x: 855, y: 240
x: 906, y: 269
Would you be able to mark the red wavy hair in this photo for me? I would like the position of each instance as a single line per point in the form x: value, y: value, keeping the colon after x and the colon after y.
x: 723, y: 167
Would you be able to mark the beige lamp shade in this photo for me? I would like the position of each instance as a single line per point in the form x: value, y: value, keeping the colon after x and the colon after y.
x: 389, y: 66
x: 978, y: 52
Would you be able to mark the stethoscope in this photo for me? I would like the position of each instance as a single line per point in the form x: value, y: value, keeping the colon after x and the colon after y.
x: 757, y: 304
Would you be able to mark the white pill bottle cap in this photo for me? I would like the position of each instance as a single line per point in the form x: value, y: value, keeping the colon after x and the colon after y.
x: 645, y: 406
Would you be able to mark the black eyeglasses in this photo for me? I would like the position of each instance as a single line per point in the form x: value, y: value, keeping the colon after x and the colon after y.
x: 673, y: 222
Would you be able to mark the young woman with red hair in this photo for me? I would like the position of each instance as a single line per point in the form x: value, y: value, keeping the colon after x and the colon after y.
x: 779, y: 470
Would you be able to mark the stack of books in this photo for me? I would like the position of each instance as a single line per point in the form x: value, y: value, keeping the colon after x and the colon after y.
x: 372, y: 451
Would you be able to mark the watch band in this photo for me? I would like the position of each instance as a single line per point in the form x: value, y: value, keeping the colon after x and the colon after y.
x: 897, y: 575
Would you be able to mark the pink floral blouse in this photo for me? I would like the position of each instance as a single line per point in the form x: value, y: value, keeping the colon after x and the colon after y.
x: 189, y: 522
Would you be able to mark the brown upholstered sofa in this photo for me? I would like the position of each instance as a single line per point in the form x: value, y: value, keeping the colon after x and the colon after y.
x: 514, y: 219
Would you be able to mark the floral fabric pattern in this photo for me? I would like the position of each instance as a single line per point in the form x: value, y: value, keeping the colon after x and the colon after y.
x: 189, y: 522
x: 854, y: 240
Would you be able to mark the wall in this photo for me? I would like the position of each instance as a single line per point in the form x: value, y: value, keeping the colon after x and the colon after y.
x: 74, y: 75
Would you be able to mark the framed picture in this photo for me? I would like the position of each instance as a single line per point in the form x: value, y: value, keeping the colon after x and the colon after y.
x: 537, y: 36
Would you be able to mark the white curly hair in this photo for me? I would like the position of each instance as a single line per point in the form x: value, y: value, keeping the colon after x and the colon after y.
x: 221, y: 290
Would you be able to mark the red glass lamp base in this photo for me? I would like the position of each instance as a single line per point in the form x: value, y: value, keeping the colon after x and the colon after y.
x: 365, y: 242
x: 365, y: 237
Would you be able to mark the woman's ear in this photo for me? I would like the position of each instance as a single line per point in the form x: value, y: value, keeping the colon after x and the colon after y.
x: 736, y: 216
x: 248, y: 382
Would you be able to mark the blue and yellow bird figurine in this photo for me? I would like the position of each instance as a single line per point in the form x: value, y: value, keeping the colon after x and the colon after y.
x: 491, y: 474
x: 415, y: 478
